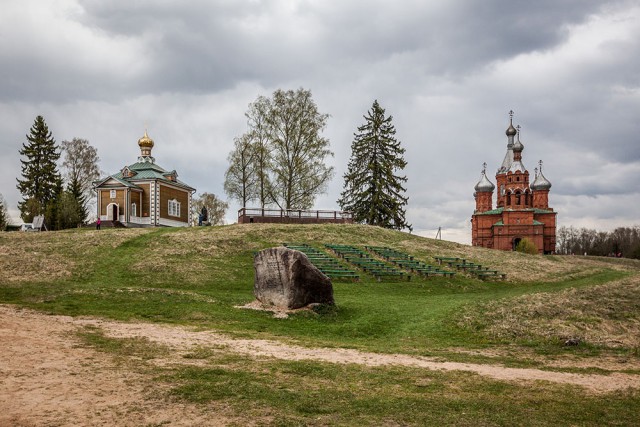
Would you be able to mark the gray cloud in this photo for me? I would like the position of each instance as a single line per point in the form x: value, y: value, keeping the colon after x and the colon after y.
x: 447, y: 72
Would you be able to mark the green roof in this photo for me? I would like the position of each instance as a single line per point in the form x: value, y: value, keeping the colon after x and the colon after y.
x: 500, y: 223
x: 492, y: 212
x: 541, y: 211
x: 117, y: 177
x: 144, y: 171
x: 498, y: 211
x: 140, y: 166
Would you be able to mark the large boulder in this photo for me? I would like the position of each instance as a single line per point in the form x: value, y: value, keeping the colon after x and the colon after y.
x: 285, y: 278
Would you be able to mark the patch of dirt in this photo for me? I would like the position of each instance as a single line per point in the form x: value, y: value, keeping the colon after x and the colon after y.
x: 46, y: 378
x: 608, y: 362
x: 183, y: 339
x: 278, y: 313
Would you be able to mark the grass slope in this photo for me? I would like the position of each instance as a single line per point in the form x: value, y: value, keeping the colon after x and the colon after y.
x: 198, y: 276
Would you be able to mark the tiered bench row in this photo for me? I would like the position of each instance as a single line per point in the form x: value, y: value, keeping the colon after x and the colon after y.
x: 407, y: 262
x: 330, y: 266
x: 478, y: 270
x: 367, y: 263
x: 398, y: 264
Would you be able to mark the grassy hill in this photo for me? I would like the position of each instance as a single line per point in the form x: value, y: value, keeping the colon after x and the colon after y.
x: 200, y: 276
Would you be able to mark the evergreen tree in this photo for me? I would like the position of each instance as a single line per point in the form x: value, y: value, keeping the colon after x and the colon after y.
x: 4, y: 215
x: 41, y: 182
x: 74, y: 189
x: 372, y: 190
x: 68, y: 211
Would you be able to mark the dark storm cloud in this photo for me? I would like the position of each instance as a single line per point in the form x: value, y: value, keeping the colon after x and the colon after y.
x: 447, y: 71
x: 207, y: 46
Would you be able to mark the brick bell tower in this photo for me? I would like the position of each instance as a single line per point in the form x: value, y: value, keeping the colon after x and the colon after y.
x: 522, y: 209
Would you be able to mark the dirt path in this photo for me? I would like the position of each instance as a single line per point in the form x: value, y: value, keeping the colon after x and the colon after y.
x: 46, y: 378
x: 184, y: 339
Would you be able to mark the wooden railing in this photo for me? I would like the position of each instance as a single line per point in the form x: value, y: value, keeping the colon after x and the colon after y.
x: 294, y: 216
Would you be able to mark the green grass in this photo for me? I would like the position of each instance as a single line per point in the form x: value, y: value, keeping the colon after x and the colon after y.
x: 313, y: 393
x: 303, y: 392
x: 199, y: 276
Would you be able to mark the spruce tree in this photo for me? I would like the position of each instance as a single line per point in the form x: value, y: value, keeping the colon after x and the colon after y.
x: 4, y: 215
x: 74, y: 188
x: 41, y: 182
x: 373, y: 191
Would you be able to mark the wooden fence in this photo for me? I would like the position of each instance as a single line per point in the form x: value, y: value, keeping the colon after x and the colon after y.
x: 292, y: 216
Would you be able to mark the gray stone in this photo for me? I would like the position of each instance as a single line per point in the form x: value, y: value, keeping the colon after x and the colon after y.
x: 285, y: 278
x: 572, y: 341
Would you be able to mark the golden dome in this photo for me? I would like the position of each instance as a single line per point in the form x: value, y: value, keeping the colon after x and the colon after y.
x: 145, y: 141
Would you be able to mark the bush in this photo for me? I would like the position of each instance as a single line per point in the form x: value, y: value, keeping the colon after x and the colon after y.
x: 527, y: 246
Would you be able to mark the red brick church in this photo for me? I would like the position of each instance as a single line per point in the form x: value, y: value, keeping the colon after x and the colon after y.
x: 522, y: 209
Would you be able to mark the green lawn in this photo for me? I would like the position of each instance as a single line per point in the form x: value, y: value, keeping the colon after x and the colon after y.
x: 199, y: 277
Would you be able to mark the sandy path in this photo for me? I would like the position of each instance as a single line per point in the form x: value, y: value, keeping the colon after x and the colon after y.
x: 46, y: 378
x: 180, y: 338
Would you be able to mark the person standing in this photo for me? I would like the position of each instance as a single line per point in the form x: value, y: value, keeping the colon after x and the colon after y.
x: 98, y: 224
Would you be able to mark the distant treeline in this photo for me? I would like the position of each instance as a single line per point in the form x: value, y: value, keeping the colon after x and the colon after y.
x: 621, y: 242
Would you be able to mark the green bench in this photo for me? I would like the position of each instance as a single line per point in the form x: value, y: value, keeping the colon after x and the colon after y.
x: 491, y: 273
x: 449, y: 260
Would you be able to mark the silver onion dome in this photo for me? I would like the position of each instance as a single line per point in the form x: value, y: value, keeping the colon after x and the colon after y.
x: 484, y: 185
x: 540, y: 183
x: 518, y: 146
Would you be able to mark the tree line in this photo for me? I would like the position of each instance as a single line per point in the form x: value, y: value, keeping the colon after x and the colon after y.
x: 623, y: 241
x: 280, y: 161
x: 62, y: 197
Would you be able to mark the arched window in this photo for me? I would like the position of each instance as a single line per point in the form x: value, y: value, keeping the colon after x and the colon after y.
x: 517, y: 198
x: 134, y: 209
x: 508, y: 199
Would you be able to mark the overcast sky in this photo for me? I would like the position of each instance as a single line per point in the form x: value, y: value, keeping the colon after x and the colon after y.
x: 448, y: 73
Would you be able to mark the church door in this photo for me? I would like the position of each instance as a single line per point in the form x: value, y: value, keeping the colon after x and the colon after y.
x: 112, y: 212
x: 515, y: 242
